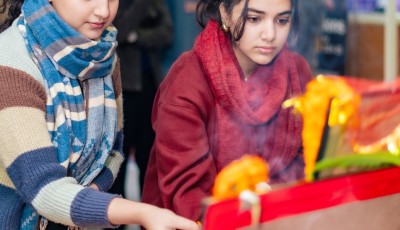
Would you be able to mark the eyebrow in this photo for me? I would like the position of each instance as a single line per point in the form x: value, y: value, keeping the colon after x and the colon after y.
x: 262, y: 12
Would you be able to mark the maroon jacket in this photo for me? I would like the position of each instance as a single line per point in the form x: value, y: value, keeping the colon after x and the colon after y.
x: 182, y: 166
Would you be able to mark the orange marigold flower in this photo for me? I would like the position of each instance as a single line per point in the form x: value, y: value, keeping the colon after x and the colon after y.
x: 239, y: 175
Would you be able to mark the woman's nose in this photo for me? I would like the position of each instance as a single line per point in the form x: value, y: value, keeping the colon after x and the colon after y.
x: 102, y: 9
x: 268, y: 33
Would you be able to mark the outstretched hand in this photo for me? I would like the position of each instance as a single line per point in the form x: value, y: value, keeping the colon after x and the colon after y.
x: 122, y: 211
x: 164, y: 219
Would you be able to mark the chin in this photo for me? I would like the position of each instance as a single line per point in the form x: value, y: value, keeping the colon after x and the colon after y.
x: 92, y: 37
x: 92, y: 34
x: 265, y: 62
x: 268, y: 60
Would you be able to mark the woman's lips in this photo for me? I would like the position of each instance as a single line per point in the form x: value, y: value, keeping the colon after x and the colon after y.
x: 266, y: 49
x: 97, y: 25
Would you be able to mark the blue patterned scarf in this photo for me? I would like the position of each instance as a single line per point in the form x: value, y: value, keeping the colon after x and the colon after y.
x: 81, y: 110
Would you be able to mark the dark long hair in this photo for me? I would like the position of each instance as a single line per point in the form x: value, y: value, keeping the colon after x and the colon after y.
x: 209, y: 9
x: 14, y: 10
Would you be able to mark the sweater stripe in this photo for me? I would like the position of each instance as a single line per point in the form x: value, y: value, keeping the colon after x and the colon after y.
x: 10, y: 205
x: 32, y: 170
x: 102, y: 181
x: 61, y: 192
x: 89, y: 208
x: 32, y: 133
x: 18, y: 89
x: 5, y: 179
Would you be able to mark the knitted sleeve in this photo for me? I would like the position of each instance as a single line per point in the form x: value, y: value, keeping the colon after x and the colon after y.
x: 107, y: 177
x: 28, y: 161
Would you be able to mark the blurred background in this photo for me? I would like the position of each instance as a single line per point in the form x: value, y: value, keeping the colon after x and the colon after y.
x: 362, y: 36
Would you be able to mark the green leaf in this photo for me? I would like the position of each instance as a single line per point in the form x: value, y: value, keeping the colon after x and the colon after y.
x: 361, y: 161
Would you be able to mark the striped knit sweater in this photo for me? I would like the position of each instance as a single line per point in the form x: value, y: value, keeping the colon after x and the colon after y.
x: 29, y: 170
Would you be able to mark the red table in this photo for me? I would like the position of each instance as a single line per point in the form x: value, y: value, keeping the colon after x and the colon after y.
x: 369, y: 200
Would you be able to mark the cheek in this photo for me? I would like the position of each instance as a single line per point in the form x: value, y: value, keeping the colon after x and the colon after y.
x: 282, y: 38
x: 249, y: 38
x: 243, y: 46
x: 74, y: 16
x: 113, y: 11
x: 286, y: 32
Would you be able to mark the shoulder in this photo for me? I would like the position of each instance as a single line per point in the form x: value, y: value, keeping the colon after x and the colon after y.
x: 14, y: 54
x: 17, y: 88
x: 185, y: 83
x: 185, y: 72
x: 303, y: 68
x: 185, y: 63
x: 301, y: 62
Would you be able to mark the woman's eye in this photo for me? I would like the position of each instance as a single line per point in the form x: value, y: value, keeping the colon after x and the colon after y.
x: 283, y: 21
x: 253, y: 19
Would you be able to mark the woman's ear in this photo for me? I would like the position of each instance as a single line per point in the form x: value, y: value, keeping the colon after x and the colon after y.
x: 224, y: 18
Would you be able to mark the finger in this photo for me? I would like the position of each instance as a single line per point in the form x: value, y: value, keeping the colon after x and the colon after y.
x: 185, y: 224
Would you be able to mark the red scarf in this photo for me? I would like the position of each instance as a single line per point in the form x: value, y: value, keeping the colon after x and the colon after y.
x: 250, y: 110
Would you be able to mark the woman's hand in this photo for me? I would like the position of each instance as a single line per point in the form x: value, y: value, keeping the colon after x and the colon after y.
x: 163, y: 219
x: 122, y: 211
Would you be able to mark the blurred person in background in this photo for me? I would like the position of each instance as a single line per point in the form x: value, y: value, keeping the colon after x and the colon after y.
x: 144, y: 30
x: 223, y: 99
x: 186, y: 29
x: 310, y: 22
x: 332, y: 53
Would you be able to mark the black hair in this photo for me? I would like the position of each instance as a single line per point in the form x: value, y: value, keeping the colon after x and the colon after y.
x: 209, y: 9
x: 14, y: 10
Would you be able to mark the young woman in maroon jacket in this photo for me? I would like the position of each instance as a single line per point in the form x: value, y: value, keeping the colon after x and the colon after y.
x: 61, y: 120
x: 222, y: 99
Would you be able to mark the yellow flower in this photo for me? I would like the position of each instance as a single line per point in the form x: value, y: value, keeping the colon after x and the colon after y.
x: 323, y: 94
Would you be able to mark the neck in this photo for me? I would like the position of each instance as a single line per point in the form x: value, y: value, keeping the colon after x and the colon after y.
x: 248, y: 72
x: 246, y: 77
x: 247, y: 66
